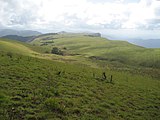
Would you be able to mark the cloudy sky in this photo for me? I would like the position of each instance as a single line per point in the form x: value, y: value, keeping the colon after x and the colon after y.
x: 81, y: 15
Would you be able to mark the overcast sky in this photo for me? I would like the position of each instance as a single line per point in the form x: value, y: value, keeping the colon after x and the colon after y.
x: 80, y: 15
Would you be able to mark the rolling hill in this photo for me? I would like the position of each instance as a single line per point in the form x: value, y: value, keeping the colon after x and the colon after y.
x: 19, y: 38
x: 102, y: 49
x: 19, y: 47
x: 24, y: 33
x: 35, y: 86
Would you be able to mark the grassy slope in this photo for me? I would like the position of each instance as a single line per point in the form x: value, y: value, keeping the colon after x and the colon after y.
x: 31, y: 88
x: 12, y: 46
x: 15, y: 47
x: 112, y: 51
x: 20, y: 47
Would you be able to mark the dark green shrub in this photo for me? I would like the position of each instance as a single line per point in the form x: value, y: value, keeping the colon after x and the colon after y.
x: 64, y: 48
x: 57, y: 51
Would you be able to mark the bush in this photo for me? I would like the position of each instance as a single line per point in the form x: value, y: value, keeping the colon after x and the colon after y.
x: 57, y: 51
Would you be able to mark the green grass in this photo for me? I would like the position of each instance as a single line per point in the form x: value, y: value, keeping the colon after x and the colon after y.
x: 15, y: 47
x: 33, y: 88
x: 12, y: 46
x: 20, y: 47
x: 36, y: 87
x: 111, y: 51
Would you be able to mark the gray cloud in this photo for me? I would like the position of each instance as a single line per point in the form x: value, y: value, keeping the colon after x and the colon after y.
x: 15, y: 12
x: 25, y: 14
x: 153, y: 23
x: 122, y: 1
x: 99, y: 1
x: 148, y: 2
x: 157, y: 11
x: 116, y: 24
x: 131, y: 1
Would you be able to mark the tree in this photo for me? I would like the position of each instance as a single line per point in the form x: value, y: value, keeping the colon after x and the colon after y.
x: 57, y: 51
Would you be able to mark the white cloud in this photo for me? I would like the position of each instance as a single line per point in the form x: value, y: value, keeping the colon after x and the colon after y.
x: 141, y: 13
x: 81, y: 14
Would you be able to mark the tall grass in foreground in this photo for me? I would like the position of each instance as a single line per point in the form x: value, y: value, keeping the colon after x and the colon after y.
x: 32, y: 88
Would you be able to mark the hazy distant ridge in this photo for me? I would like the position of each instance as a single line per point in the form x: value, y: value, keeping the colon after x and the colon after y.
x: 24, y: 33
x: 148, y: 43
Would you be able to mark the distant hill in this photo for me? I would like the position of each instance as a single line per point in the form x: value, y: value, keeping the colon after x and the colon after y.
x: 144, y: 42
x: 20, y: 38
x: 24, y: 33
x: 88, y: 46
x: 149, y: 43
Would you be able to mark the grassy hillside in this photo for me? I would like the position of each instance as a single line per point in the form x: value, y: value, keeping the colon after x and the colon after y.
x: 33, y: 86
x: 101, y: 49
x: 20, y: 47
x: 38, y: 89
x: 13, y: 46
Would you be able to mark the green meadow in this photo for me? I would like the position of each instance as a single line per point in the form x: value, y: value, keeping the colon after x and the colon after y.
x: 101, y: 49
x: 36, y: 84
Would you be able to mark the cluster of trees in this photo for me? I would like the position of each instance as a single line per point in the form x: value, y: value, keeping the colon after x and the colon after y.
x: 57, y: 51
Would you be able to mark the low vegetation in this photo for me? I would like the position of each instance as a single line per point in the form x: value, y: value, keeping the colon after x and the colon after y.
x: 32, y: 88
x: 57, y: 51
x: 102, y: 49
